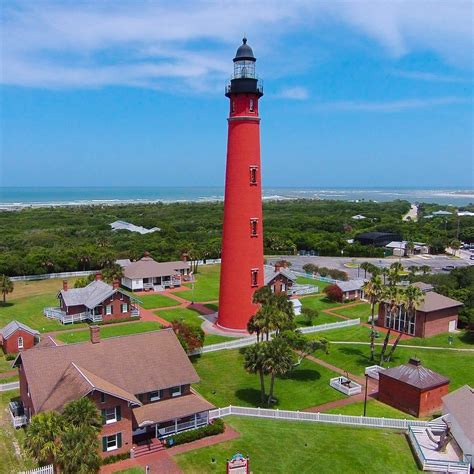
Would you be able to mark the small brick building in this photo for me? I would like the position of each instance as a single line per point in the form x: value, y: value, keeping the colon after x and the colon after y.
x: 279, y: 279
x: 436, y: 314
x: 413, y: 388
x: 16, y: 337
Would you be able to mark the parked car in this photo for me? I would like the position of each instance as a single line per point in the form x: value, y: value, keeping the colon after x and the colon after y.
x: 448, y: 268
x: 471, y: 257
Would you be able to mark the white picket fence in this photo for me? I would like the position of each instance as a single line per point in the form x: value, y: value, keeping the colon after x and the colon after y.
x: 9, y: 386
x: 248, y: 341
x: 49, y: 276
x: 350, y: 420
x: 40, y: 470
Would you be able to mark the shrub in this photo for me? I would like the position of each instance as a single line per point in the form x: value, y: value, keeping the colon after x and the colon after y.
x: 310, y: 268
x: 190, y: 337
x: 216, y: 427
x: 115, y: 458
x: 10, y: 356
x: 334, y: 293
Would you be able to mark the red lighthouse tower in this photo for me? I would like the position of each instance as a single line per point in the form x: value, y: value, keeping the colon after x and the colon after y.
x: 242, y: 238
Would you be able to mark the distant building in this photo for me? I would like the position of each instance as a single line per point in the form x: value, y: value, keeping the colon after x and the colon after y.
x: 436, y: 315
x: 441, y: 213
x: 458, y: 406
x: 351, y: 290
x: 98, y: 301
x: 358, y: 217
x: 402, y: 249
x: 466, y: 213
x: 377, y: 239
x: 279, y: 279
x: 16, y: 337
x: 122, y: 225
x: 413, y: 388
x: 147, y: 274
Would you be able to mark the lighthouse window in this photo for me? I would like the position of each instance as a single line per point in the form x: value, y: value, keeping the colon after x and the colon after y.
x: 251, y: 108
x: 254, y: 277
x: 253, y: 175
x: 253, y: 227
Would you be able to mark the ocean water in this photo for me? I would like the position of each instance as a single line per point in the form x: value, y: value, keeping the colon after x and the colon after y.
x: 18, y: 197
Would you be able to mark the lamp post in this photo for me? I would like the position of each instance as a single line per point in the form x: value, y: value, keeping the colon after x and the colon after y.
x: 365, y: 396
x: 192, y: 297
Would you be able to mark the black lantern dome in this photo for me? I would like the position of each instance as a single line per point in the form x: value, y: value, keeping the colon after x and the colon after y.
x: 244, y: 52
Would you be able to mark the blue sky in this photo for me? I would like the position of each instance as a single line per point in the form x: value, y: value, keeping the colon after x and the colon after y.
x: 357, y: 93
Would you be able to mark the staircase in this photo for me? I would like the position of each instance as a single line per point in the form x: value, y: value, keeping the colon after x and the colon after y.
x: 151, y: 446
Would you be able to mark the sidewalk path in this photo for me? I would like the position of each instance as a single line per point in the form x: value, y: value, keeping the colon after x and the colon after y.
x: 159, y: 463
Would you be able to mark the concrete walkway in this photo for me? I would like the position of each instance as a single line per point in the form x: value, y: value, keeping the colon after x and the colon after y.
x: 434, y: 348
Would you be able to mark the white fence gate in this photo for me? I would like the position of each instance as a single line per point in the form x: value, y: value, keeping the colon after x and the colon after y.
x: 40, y: 470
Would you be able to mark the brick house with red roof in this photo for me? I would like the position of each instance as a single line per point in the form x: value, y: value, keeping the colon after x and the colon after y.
x: 16, y: 337
x: 138, y: 407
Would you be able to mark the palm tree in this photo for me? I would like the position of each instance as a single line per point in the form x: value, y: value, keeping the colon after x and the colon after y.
x: 413, y: 269
x: 412, y: 297
x: 385, y: 271
x: 253, y: 326
x: 373, y: 291
x: 425, y: 269
x: 366, y: 267
x: 262, y: 296
x: 394, y: 273
x: 82, y: 412
x: 43, y: 437
x: 393, y: 297
x: 455, y: 245
x: 6, y: 286
x: 279, y: 359
x: 80, y: 451
x: 254, y: 358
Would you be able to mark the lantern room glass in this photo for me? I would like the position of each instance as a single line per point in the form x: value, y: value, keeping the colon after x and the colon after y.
x: 243, y: 69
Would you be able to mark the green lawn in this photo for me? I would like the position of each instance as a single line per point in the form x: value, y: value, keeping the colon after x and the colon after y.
x: 318, y: 302
x: 111, y: 330
x: 216, y: 339
x: 12, y: 378
x: 351, y: 333
x: 157, y: 301
x: 5, y: 365
x: 455, y: 365
x: 311, y: 281
x: 206, y: 286
x: 9, y: 462
x: 463, y: 339
x: 225, y: 382
x: 322, y: 318
x: 29, y: 310
x: 132, y: 470
x: 186, y: 315
x: 374, y: 408
x: 275, y: 446
x: 361, y: 311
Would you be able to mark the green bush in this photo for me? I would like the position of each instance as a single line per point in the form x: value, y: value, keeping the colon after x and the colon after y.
x: 115, y: 458
x: 216, y: 427
x: 10, y: 356
x: 113, y: 321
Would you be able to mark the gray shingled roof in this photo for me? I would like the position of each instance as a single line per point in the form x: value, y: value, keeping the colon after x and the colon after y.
x: 90, y: 296
x: 351, y: 285
x: 460, y: 405
x: 416, y: 375
x: 270, y: 274
x: 146, y: 267
x: 434, y: 301
x: 423, y: 286
x: 13, y: 326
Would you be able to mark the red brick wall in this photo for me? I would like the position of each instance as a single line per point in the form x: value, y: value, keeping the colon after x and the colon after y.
x: 123, y: 426
x: 437, y: 322
x: 115, y: 301
x: 408, y: 398
x: 278, y: 282
x: 10, y: 345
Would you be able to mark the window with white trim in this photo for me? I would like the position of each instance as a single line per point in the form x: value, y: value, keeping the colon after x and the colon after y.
x: 254, y: 227
x: 251, y: 106
x: 20, y: 342
x: 110, y: 415
x: 254, y: 277
x: 124, y: 307
x: 253, y: 175
x: 112, y: 442
x: 175, y: 391
x: 108, y: 309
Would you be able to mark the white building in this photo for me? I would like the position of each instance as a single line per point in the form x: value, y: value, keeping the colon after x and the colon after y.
x: 401, y: 248
x: 122, y: 225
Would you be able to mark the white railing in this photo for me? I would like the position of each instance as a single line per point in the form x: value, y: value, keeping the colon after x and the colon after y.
x: 9, y: 386
x: 373, y: 371
x: 187, y: 425
x: 366, y: 421
x: 303, y: 290
x: 435, y: 465
x: 346, y: 386
x: 40, y: 470
x: 248, y: 341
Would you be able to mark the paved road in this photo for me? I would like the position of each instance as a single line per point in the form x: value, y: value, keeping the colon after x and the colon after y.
x: 436, y: 262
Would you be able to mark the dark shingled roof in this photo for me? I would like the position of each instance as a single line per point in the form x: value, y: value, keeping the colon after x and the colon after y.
x: 416, y: 375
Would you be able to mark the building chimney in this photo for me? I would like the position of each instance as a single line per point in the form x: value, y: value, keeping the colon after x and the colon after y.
x: 116, y: 284
x: 146, y: 254
x: 184, y: 257
x: 414, y: 361
x: 98, y: 276
x: 95, y: 334
x: 277, y: 267
x: 64, y: 285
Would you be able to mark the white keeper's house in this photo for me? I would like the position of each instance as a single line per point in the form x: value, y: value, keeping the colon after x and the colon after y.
x: 147, y: 274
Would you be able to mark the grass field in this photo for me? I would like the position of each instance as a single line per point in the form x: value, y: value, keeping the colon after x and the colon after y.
x: 361, y: 311
x: 275, y: 446
x: 206, y: 286
x: 157, y: 301
x: 5, y: 364
x: 463, y: 339
x: 213, y: 306
x: 13, y: 378
x: 318, y: 302
x: 374, y: 408
x: 111, y: 330
x: 132, y: 470
x: 455, y: 365
x: 9, y: 462
x: 351, y: 333
x: 311, y: 281
x: 225, y: 382
x: 322, y: 318
x: 29, y: 310
x: 186, y: 315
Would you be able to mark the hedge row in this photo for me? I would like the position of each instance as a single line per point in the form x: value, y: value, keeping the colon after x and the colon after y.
x: 216, y: 427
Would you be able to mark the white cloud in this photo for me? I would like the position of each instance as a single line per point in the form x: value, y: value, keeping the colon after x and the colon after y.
x: 185, y: 43
x: 430, y: 77
x: 294, y: 93
x: 391, y: 106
